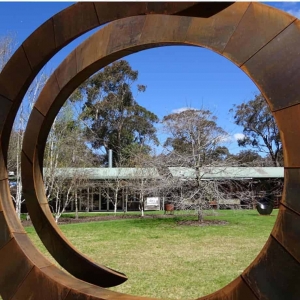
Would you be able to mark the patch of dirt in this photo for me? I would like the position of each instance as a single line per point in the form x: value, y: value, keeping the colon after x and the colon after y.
x: 101, y: 218
x: 62, y: 221
x: 26, y: 223
x: 203, y: 223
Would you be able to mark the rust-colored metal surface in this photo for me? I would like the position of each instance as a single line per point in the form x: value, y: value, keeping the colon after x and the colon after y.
x: 261, y: 40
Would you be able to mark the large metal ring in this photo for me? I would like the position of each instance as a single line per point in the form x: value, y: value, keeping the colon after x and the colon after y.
x: 259, y: 39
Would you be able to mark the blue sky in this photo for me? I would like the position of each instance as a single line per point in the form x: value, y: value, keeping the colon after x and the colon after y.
x: 176, y: 77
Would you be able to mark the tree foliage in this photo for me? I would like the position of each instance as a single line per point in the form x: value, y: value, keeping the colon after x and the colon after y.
x: 195, y: 135
x: 246, y: 158
x: 66, y: 144
x: 196, y: 144
x: 259, y: 128
x: 114, y: 119
x: 7, y: 47
x: 66, y: 148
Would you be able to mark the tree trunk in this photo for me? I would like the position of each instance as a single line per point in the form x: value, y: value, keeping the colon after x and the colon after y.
x: 57, y: 216
x: 200, y: 214
x: 57, y: 207
x: 116, y: 202
x: 18, y: 209
x: 142, y: 211
x: 126, y: 200
x: 88, y: 201
x: 76, y: 205
x: 18, y: 198
x: 142, y: 204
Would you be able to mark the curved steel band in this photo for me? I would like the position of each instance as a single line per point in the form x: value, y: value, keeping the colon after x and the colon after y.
x: 261, y: 40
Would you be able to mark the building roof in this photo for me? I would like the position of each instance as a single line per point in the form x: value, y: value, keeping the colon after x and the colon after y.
x: 109, y: 173
x: 229, y: 172
x: 206, y: 173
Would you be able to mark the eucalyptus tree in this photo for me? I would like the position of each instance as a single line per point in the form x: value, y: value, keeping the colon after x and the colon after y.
x: 111, y: 113
x: 259, y: 128
x: 250, y: 158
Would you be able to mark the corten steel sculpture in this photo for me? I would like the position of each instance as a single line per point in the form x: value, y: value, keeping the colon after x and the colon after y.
x: 262, y: 41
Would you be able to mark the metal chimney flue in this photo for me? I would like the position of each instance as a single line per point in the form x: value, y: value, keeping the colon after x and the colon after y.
x: 110, y: 163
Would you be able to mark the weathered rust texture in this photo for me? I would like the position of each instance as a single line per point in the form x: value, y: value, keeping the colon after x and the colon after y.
x: 73, y: 21
x: 274, y: 68
x: 25, y: 258
x: 3, y: 171
x: 176, y: 33
x: 12, y: 222
x: 107, y: 11
x: 215, y: 32
x: 15, y: 76
x: 5, y: 234
x: 271, y: 61
x: 124, y: 34
x: 31, y: 132
x: 63, y: 75
x: 239, y: 290
x: 5, y: 105
x: 259, y: 25
x: 203, y: 9
x: 95, y: 293
x: 13, y: 271
x: 30, y: 251
x: 236, y: 290
x: 291, y: 190
x: 52, y: 85
x: 47, y: 289
x: 288, y: 122
x: 274, y: 274
x: 287, y: 231
x: 41, y: 45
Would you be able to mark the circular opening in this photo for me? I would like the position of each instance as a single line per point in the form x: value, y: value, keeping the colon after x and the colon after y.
x: 222, y: 249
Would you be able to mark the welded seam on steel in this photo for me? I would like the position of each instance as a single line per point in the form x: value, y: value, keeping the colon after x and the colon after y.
x: 96, y: 13
x: 236, y: 28
x: 5, y: 97
x: 290, y: 209
x: 284, y: 248
x: 267, y: 45
x: 27, y: 57
x: 250, y: 287
x: 22, y: 281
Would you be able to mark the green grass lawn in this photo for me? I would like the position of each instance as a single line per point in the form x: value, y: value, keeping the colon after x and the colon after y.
x: 165, y: 260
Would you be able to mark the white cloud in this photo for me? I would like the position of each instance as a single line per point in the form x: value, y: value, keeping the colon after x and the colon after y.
x: 294, y: 12
x: 238, y: 136
x: 179, y: 110
x: 291, y: 7
x: 225, y: 138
